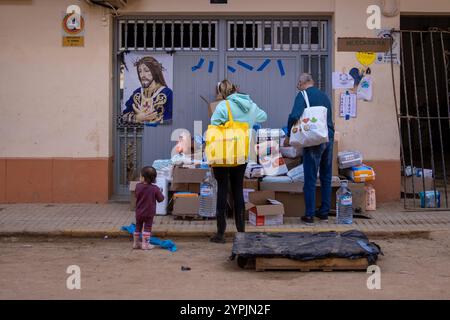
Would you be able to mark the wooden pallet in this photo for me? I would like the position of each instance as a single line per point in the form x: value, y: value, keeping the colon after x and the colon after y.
x: 329, y: 264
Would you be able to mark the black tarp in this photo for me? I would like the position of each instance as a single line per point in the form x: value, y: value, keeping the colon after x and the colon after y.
x: 305, y: 246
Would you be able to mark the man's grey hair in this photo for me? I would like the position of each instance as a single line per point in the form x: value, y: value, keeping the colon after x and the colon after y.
x: 305, y: 77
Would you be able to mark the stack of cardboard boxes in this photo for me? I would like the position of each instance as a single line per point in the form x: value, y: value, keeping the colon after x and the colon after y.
x: 186, y: 185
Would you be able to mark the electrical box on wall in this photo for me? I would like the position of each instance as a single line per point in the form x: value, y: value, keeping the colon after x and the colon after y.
x: 218, y: 1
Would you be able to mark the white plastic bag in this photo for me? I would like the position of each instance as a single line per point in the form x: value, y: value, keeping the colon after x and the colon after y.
x: 312, y: 128
x: 365, y: 89
x: 273, y: 165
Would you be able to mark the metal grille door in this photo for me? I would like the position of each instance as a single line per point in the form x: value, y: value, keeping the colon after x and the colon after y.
x: 264, y: 56
x: 424, y: 117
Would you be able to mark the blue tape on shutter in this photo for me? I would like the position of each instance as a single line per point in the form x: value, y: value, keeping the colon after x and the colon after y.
x: 244, y: 65
x: 264, y: 65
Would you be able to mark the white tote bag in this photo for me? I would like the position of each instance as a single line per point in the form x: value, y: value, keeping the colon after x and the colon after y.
x: 311, y: 129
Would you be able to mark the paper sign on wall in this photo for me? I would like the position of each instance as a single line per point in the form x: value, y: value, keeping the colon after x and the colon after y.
x: 365, y: 89
x: 386, y: 57
x: 347, y: 105
x: 342, y: 80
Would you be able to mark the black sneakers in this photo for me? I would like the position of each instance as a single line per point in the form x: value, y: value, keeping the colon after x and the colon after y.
x: 217, y: 239
x: 322, y: 218
x: 308, y: 220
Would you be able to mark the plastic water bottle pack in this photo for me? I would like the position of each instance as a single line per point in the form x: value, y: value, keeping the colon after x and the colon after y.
x: 344, y: 204
x: 208, y: 196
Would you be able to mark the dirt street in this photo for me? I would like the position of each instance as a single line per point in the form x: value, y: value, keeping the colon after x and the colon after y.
x: 36, y: 269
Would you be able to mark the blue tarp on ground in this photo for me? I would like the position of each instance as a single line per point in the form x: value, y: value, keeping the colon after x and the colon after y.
x: 166, y: 244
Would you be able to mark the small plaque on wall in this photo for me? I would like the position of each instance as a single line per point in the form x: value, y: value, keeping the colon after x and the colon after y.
x: 218, y: 1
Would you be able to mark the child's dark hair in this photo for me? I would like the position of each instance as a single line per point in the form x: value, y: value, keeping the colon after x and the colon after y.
x: 149, y: 174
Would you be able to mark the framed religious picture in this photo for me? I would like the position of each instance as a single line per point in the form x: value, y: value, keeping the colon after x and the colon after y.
x: 148, y: 95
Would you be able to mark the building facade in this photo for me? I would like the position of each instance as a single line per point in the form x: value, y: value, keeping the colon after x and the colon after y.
x: 61, y: 136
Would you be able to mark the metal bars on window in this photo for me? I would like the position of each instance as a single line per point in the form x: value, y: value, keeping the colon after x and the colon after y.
x: 283, y: 34
x: 424, y: 119
x: 167, y: 35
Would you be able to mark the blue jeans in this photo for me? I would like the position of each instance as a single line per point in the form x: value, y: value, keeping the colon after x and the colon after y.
x: 318, y: 158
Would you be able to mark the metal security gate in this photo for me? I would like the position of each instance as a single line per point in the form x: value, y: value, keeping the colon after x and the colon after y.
x: 264, y: 56
x: 424, y: 116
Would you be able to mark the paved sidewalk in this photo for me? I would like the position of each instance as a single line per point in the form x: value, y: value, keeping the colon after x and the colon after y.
x: 99, y: 220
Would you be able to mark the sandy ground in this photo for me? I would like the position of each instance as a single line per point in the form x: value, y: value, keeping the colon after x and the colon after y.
x: 36, y: 269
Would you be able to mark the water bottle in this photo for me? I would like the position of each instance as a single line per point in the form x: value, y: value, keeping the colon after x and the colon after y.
x: 344, y: 205
x: 208, y: 196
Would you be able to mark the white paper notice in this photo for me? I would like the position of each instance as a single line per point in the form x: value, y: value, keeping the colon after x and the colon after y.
x: 342, y: 80
x: 386, y: 57
x: 347, y: 105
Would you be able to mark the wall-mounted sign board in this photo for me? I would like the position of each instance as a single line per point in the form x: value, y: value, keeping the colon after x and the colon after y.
x: 73, y: 27
x: 363, y: 45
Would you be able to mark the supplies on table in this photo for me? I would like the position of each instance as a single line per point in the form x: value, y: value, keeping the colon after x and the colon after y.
x: 277, y: 179
x: 268, y: 152
x: 264, y: 210
x: 297, y: 174
x: 348, y: 159
x: 416, y: 180
x: 430, y: 199
x: 371, y: 202
x: 181, y: 159
x: 185, y: 204
x: 418, y: 172
x: 254, y: 170
x: 163, y: 168
x: 361, y: 173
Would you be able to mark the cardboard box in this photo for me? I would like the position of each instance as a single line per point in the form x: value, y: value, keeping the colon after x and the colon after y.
x: 358, y: 195
x: 212, y: 107
x: 186, y: 187
x: 294, y: 203
x: 251, y: 184
x: 185, y: 206
x: 132, y: 189
x: 418, y: 184
x: 259, y: 221
x: 295, y: 187
x: 188, y: 175
x: 262, y: 209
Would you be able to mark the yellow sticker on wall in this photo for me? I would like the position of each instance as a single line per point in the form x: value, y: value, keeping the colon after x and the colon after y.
x: 366, y: 58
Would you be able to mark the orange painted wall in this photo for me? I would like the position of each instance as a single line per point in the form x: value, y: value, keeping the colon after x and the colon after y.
x: 59, y: 180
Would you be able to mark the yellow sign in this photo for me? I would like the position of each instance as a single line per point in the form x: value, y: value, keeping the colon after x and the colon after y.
x: 73, y: 41
x: 366, y: 58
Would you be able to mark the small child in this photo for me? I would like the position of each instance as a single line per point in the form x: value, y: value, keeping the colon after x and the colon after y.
x: 146, y: 196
